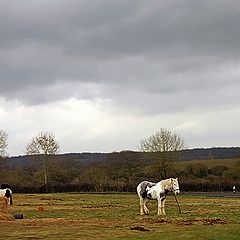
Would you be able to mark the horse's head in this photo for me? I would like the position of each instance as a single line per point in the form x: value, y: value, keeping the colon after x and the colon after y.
x: 175, y: 185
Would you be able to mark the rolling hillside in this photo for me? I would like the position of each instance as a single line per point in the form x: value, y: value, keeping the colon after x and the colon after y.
x: 220, y: 155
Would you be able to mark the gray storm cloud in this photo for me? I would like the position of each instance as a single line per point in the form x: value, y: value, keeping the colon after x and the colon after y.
x: 132, y: 52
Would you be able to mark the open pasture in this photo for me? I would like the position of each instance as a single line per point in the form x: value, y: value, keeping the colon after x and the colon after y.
x: 116, y: 216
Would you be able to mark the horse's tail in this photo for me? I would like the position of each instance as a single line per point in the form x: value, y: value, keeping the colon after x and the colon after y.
x: 8, y: 194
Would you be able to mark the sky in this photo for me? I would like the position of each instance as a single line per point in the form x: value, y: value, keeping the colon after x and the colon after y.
x: 103, y: 74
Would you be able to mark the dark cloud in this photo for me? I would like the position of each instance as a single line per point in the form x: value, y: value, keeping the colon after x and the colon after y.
x: 152, y: 55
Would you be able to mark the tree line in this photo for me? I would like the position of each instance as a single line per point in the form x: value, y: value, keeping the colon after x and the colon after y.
x: 119, y: 171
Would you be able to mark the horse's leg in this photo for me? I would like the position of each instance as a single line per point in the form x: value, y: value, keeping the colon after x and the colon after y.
x: 159, y: 207
x: 161, y: 202
x: 141, y: 206
x: 163, y: 206
x: 6, y: 203
x: 146, y: 211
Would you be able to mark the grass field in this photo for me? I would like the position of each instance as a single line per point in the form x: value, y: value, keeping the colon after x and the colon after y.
x: 116, y: 216
x: 230, y: 163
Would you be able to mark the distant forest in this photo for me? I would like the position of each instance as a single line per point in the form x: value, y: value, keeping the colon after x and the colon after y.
x: 120, y: 171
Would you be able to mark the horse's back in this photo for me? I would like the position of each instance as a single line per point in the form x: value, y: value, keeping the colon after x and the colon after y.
x: 143, y: 186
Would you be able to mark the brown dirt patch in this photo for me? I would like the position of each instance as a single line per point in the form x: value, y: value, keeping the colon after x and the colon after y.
x: 214, y: 221
x: 102, y: 206
x: 66, y: 207
x: 160, y: 221
x: 62, y: 220
x: 51, y: 199
x: 210, y: 221
x: 139, y: 229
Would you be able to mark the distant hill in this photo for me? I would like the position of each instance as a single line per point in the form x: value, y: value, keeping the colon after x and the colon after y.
x: 186, y: 155
x: 211, y: 153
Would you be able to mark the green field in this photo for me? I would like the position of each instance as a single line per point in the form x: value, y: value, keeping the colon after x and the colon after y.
x: 230, y: 163
x: 116, y: 216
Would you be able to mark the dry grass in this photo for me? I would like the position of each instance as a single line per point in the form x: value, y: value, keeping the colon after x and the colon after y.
x: 4, y: 215
x: 3, y: 204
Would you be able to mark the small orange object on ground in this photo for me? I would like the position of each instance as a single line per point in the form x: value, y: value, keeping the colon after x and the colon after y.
x: 40, y: 209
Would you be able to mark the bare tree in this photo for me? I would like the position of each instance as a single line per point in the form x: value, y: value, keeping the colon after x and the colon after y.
x: 43, y: 144
x: 165, y: 146
x: 3, y: 143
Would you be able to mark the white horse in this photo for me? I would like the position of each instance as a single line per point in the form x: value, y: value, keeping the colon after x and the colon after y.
x: 148, y: 190
x: 8, y: 194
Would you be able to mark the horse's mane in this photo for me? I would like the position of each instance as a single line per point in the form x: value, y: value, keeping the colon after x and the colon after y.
x: 166, y: 183
x: 169, y: 180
